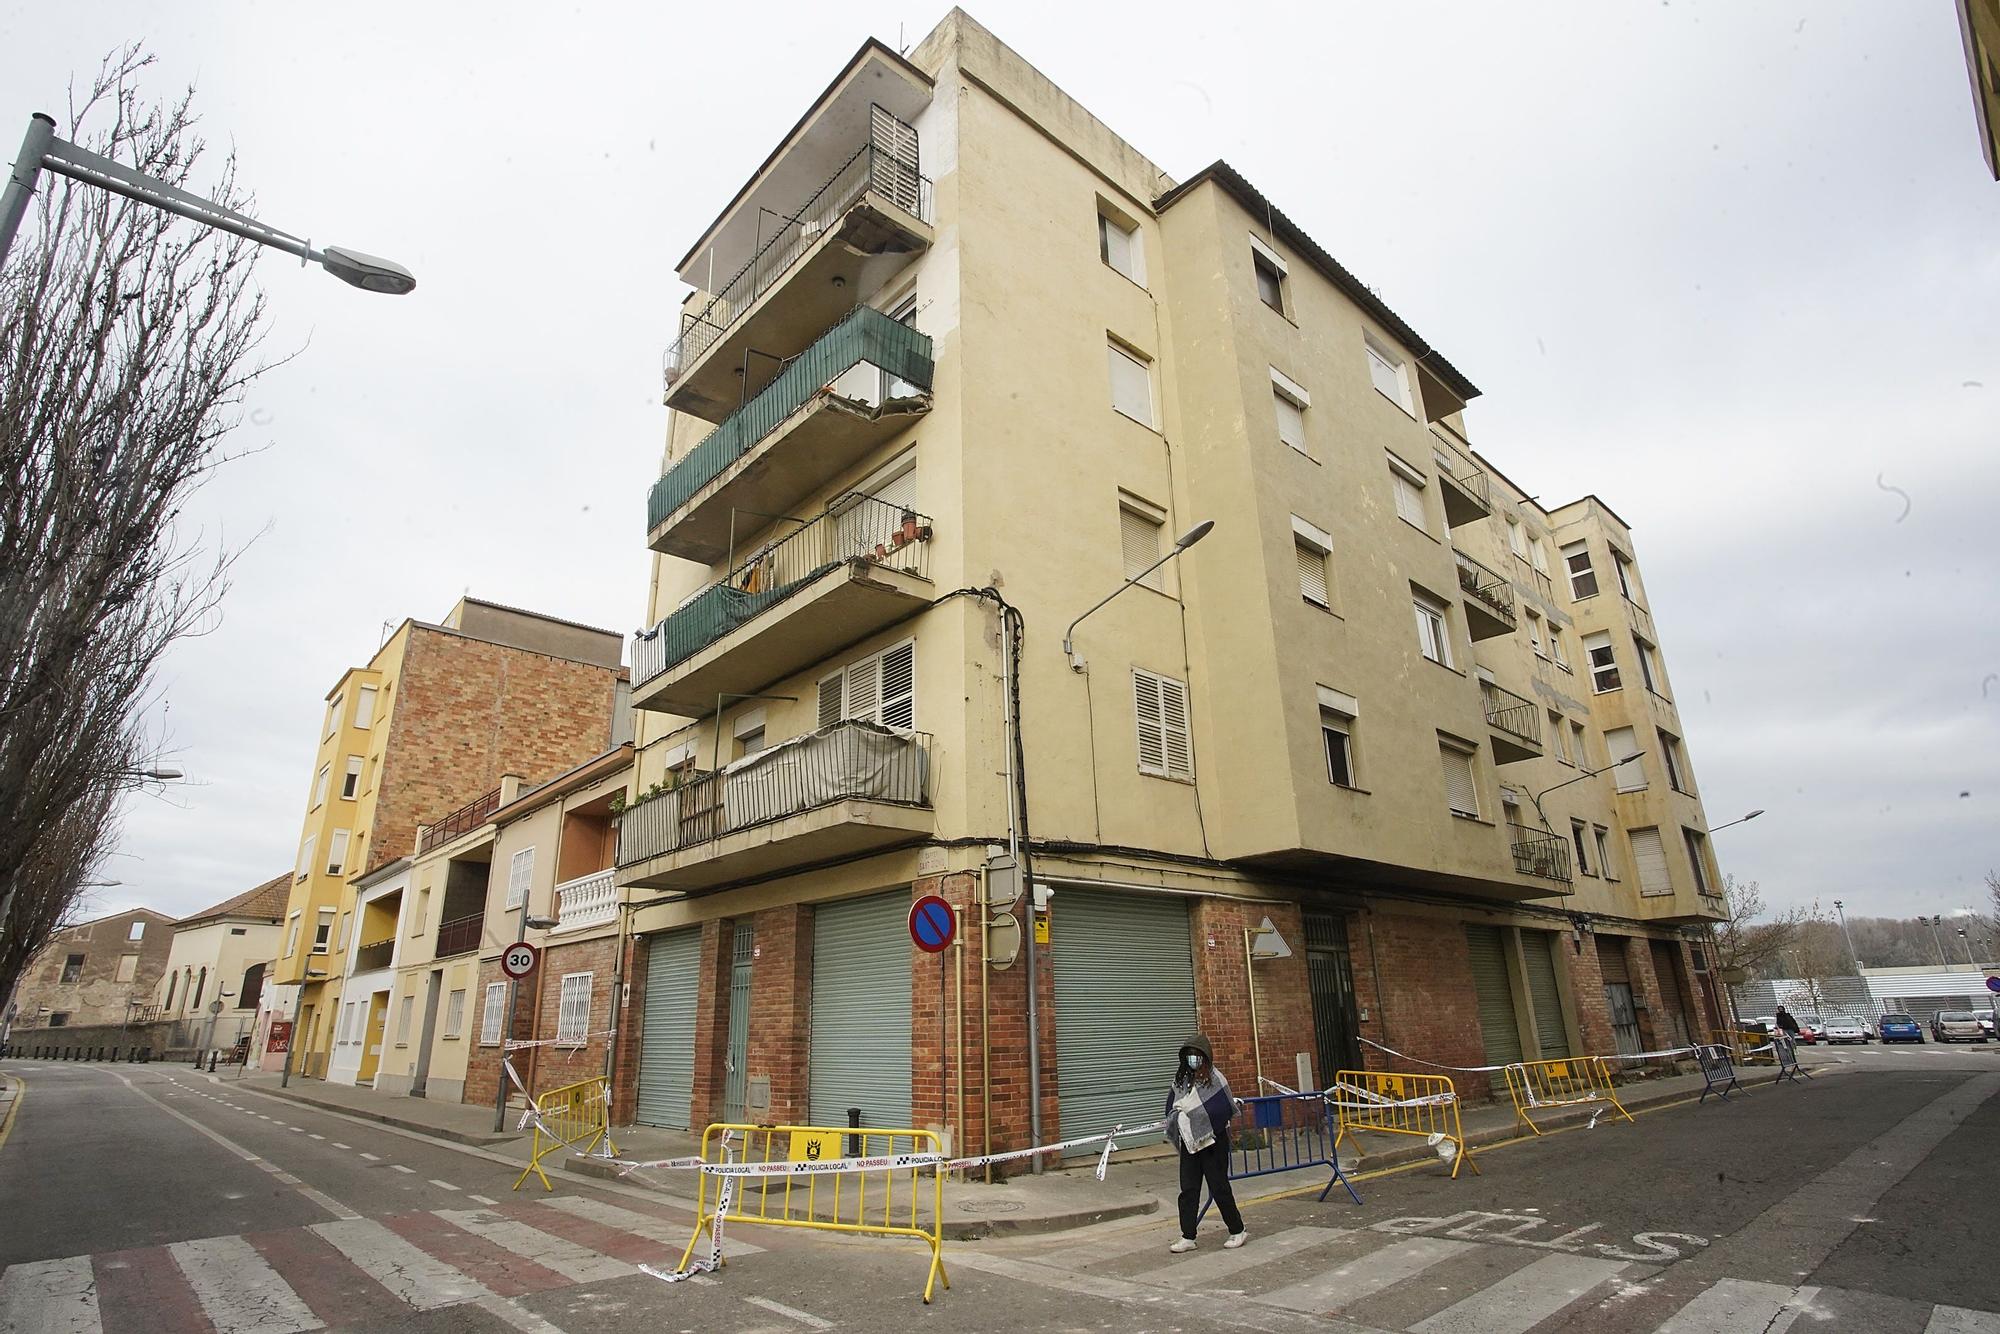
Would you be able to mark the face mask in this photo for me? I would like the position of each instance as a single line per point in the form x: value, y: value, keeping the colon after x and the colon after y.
x: 1193, y: 1061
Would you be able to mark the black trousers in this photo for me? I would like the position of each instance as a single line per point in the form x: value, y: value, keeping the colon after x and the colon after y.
x: 1210, y: 1167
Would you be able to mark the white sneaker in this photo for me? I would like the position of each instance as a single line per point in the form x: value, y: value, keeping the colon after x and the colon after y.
x: 1236, y: 1239
x: 1183, y: 1246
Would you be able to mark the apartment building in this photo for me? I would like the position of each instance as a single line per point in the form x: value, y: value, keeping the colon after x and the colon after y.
x: 430, y: 723
x: 223, y: 953
x: 992, y: 356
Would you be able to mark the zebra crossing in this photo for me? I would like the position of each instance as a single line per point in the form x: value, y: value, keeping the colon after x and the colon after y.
x: 1365, y: 1279
x: 347, y: 1273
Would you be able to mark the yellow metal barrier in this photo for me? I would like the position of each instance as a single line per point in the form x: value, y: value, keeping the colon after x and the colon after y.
x: 1355, y: 1092
x: 1746, y: 1041
x: 1542, y: 1086
x: 575, y: 1114
x: 828, y: 1201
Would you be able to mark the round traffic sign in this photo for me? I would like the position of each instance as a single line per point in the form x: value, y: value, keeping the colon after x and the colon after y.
x: 1993, y: 984
x: 932, y: 924
x: 520, y: 960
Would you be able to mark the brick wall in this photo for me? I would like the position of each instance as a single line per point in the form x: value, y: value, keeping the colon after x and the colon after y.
x: 1222, y: 993
x: 711, y: 1022
x: 1586, y: 985
x: 781, y: 1008
x: 1414, y: 980
x: 482, y: 1066
x: 544, y: 1068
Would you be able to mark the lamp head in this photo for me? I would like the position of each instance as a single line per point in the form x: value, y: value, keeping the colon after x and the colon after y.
x: 1194, y: 535
x: 371, y: 273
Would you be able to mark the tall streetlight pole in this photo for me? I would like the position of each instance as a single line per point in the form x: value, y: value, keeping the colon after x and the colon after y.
x: 1966, y: 942
x: 1841, y: 908
x: 1728, y: 989
x: 1936, y: 921
x: 41, y: 148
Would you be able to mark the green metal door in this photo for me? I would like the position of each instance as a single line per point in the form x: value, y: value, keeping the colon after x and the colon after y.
x: 1538, y: 953
x: 1330, y: 978
x: 666, y: 1044
x: 1124, y: 988
x: 742, y: 943
x: 1495, y: 998
x: 860, y: 1047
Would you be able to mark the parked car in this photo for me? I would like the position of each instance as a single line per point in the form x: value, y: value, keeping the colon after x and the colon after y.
x: 1986, y: 1022
x: 1811, y: 1028
x: 1958, y: 1026
x: 1901, y: 1028
x: 1846, y: 1028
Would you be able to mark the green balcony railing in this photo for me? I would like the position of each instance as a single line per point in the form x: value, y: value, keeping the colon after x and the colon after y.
x: 866, y: 335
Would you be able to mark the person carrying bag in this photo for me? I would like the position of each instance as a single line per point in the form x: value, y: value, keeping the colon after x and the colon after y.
x: 1199, y: 1107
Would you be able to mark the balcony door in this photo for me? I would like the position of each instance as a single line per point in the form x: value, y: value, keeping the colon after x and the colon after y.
x: 371, y: 1046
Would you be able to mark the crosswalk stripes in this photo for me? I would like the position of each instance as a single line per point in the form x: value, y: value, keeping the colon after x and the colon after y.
x: 401, y: 1266
x: 1739, y: 1304
x: 645, y: 1225
x: 564, y: 1257
x: 238, y: 1290
x: 50, y: 1297
x: 1958, y: 1320
x: 1368, y: 1275
x: 1207, y: 1269
x: 1524, y: 1298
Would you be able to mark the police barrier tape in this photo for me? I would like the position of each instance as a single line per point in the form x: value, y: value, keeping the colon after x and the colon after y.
x: 937, y: 1161
x: 563, y: 1117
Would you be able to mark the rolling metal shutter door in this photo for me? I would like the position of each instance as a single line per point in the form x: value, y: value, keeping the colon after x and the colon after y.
x: 1124, y: 984
x: 1538, y: 952
x: 1670, y: 992
x: 1612, y: 961
x: 1496, y: 999
x: 860, y: 1046
x: 1649, y: 855
x: 666, y: 1046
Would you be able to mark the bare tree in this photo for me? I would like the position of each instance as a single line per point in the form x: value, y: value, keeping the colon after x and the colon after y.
x: 1756, y: 947
x: 126, y: 341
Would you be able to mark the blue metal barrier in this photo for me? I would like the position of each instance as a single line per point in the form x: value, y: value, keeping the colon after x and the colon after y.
x: 1718, y: 1072
x: 1787, y: 1051
x: 1284, y: 1133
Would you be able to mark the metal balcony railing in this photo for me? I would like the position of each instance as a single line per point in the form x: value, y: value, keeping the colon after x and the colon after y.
x: 1540, y: 853
x: 886, y: 165
x: 846, y: 760
x: 1642, y: 621
x: 1467, y: 476
x: 463, y: 820
x: 854, y: 528
x: 589, y: 900
x: 460, y: 935
x: 375, y: 954
x: 1493, y: 592
x: 866, y: 335
x: 1511, y: 713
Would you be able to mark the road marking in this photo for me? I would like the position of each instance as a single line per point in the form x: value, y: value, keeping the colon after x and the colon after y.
x: 442, y: 1185
x: 1366, y: 1276
x: 1958, y: 1320
x: 239, y: 1291
x: 1737, y: 1304
x: 1092, y: 1254
x: 320, y: 1137
x: 488, y: 1201
x: 1232, y: 1311
x: 371, y: 1157
x: 1524, y: 1298
x: 296, y: 1130
x: 790, y: 1313
x: 398, y: 1167
x: 575, y: 1263
x: 50, y: 1297
x: 627, y: 1220
x: 409, y: 1272
x: 524, y: 1320
x: 338, y: 1145
x: 1205, y: 1270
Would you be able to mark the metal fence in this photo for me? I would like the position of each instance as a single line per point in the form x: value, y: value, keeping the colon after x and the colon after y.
x: 460, y: 935
x: 463, y: 820
x: 1511, y: 713
x: 1492, y: 591
x: 1540, y: 854
x: 375, y: 954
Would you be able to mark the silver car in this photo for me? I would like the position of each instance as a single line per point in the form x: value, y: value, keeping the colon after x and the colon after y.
x: 1958, y: 1026
x: 1846, y: 1028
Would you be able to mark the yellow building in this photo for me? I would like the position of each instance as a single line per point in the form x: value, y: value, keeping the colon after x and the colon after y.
x: 998, y: 354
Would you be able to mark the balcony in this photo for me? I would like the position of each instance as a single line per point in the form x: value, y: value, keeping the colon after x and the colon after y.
x: 587, y: 901
x: 461, y: 821
x: 460, y: 935
x: 1467, y: 491
x: 1682, y: 908
x: 860, y: 567
x: 862, y: 381
x: 1642, y: 621
x: 1488, y: 599
x: 822, y: 254
x: 1540, y: 854
x: 845, y: 789
x: 1516, y: 724
x: 375, y: 954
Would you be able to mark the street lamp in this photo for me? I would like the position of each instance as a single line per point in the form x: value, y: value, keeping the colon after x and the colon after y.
x: 41, y: 148
x: 1181, y: 543
x: 1738, y: 820
x: 1966, y: 942
x: 1935, y: 921
x: 1841, y: 908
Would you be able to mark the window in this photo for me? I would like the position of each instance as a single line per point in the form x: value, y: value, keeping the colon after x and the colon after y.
x: 1312, y: 546
x: 252, y: 989
x: 1517, y: 540
x: 346, y: 1029
x: 173, y: 979
x: 319, y: 786
x: 323, y: 931
x: 1649, y: 666
x: 73, y: 968
x: 1623, y: 745
x: 1139, y: 542
x: 1291, y: 401
x: 1675, y: 762
x: 1582, y: 579
x: 59, y: 1019
x: 200, y: 986
x: 1649, y: 855
x: 1131, y: 385
x: 454, y: 1014
x: 403, y: 1020
x: 292, y: 937
x: 1433, y: 632
x: 306, y: 851
x: 1556, y: 646
x: 1603, y: 664
x: 340, y: 945
x: 880, y: 688
x: 364, y: 707
x: 495, y: 1014
x: 1166, y: 744
x: 423, y: 911
x: 1460, y: 791
x: 1534, y: 619
x: 1557, y: 733
x: 333, y: 711
x: 138, y: 931
x: 520, y: 871
x: 1337, y: 713
x: 748, y: 739
x: 1408, y: 484
x: 336, y: 852
x: 350, y: 786
x: 1697, y: 846
x: 1604, y: 863
x: 573, y: 1018
x: 1118, y: 245
x: 1388, y: 374
x: 1270, y: 271
x: 1623, y: 565
x: 1577, y: 838
x: 1577, y: 737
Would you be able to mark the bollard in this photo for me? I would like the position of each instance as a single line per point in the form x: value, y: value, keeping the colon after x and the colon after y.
x: 211, y: 1062
x: 854, y: 1141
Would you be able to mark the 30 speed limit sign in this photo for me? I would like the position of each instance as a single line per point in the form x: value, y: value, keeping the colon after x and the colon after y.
x: 520, y: 960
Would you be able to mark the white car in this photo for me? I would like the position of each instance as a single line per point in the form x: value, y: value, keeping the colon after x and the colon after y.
x: 1846, y: 1028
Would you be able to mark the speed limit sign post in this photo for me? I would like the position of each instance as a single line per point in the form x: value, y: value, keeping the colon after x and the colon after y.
x: 520, y: 960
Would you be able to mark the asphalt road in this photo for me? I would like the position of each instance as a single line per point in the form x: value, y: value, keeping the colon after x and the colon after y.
x: 153, y: 1198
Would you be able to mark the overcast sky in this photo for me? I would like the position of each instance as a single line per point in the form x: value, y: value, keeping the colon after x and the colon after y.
x: 1732, y: 267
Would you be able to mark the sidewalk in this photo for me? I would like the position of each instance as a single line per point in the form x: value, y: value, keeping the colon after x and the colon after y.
x: 1145, y: 1182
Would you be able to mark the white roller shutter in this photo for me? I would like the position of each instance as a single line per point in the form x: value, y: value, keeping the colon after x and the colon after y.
x: 666, y: 1045
x: 1461, y: 793
x: 860, y: 1047
x: 1649, y: 855
x: 1139, y: 543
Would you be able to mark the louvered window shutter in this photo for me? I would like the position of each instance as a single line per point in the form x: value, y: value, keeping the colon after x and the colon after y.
x: 1312, y: 572
x: 1649, y: 855
x: 1140, y: 538
x: 1174, y: 731
x: 829, y: 700
x: 864, y: 689
x: 1146, y: 703
x: 899, y: 686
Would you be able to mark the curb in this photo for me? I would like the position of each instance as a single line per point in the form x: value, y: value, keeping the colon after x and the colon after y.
x: 476, y: 1139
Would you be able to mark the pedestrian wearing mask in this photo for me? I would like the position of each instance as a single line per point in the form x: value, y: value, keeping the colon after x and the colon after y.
x: 1199, y: 1106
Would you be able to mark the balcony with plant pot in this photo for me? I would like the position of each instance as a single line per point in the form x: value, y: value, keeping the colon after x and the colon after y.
x: 1488, y: 599
x: 1516, y: 724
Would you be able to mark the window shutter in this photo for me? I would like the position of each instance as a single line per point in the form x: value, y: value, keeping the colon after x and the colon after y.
x: 863, y: 689
x: 1146, y: 705
x: 1312, y: 572
x: 1460, y: 792
x: 899, y: 686
x: 1131, y: 386
x: 496, y: 1007
x: 1620, y: 742
x: 1291, y: 422
x: 1649, y: 856
x: 1409, y: 499
x: 520, y: 871
x: 1139, y: 537
x: 1174, y: 729
x: 829, y: 700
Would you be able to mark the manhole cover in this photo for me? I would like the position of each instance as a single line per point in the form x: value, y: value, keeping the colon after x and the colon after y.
x: 990, y: 1206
